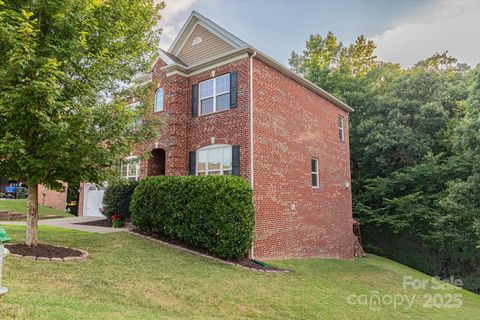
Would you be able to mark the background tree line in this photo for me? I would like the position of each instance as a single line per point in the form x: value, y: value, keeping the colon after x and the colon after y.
x: 415, y: 150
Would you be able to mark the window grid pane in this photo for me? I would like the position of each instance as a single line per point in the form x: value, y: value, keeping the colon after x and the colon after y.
x: 314, y: 165
x: 314, y: 180
x: 222, y: 84
x: 206, y: 89
x: 206, y: 106
x: 223, y: 102
x: 159, y: 100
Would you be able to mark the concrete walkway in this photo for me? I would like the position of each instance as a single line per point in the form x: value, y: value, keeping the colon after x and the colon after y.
x: 71, y: 223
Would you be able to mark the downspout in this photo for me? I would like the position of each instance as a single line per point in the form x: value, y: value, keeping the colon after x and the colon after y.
x: 251, y: 131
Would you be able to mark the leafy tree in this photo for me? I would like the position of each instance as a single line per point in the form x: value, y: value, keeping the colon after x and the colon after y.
x: 63, y: 64
x: 414, y: 141
x: 462, y: 205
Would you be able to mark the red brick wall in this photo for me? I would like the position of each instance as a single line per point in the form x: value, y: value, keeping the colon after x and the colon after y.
x: 229, y: 126
x: 173, y: 130
x: 52, y: 199
x: 292, y: 125
x: 181, y: 133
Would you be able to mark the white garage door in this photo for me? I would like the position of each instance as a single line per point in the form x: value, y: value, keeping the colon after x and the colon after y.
x: 93, y: 200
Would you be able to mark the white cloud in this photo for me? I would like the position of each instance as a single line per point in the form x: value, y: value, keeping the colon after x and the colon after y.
x: 446, y: 25
x: 173, y: 17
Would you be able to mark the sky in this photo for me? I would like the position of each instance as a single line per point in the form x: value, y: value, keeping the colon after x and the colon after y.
x: 405, y: 31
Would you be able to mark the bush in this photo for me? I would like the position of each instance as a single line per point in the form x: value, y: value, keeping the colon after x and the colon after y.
x: 117, y: 222
x: 214, y: 213
x: 117, y: 199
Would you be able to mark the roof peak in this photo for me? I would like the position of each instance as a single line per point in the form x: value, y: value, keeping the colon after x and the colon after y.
x: 192, y: 21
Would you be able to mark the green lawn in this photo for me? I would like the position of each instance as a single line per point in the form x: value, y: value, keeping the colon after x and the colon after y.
x: 20, y: 206
x: 130, y: 278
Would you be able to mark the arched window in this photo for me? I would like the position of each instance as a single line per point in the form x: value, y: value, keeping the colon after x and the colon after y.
x: 129, y: 168
x: 214, y: 160
x: 159, y: 100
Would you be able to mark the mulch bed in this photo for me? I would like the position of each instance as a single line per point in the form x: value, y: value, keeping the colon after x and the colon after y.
x: 97, y: 223
x: 46, y: 252
x: 244, y: 263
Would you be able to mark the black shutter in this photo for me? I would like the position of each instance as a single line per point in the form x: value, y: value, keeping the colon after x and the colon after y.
x: 194, y: 100
x: 192, y: 163
x: 233, y: 89
x: 236, y: 160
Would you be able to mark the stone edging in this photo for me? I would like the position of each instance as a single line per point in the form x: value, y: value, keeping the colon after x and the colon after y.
x: 65, y: 259
x: 203, y: 255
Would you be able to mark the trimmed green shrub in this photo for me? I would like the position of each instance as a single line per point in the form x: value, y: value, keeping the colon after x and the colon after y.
x: 117, y: 197
x: 214, y: 213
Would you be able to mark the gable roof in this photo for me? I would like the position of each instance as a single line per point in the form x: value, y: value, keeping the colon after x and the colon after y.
x: 165, y: 55
x: 192, y: 21
x: 239, y: 46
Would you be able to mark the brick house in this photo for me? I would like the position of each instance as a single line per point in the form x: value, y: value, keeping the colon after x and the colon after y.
x: 231, y: 109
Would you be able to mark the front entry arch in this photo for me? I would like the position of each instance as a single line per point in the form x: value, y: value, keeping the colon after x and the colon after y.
x: 156, y: 163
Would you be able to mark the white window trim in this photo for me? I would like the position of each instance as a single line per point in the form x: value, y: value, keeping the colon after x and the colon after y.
x: 128, y: 161
x: 155, y: 102
x: 317, y: 173
x: 341, y: 128
x: 210, y: 147
x: 214, y: 94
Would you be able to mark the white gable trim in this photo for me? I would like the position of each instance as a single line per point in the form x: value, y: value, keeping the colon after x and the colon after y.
x: 197, y: 19
x: 164, y: 57
x: 202, y: 66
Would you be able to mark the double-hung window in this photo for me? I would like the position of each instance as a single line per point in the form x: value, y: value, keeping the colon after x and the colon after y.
x: 315, y: 179
x: 214, y: 160
x: 341, y: 131
x: 215, y: 94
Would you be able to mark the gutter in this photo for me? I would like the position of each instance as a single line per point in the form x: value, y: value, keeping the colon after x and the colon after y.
x: 251, y: 131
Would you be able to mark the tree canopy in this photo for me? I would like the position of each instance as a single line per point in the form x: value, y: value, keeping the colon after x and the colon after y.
x: 63, y: 69
x: 415, y: 146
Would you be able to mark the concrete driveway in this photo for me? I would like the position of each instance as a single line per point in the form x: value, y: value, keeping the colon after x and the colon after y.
x: 71, y: 223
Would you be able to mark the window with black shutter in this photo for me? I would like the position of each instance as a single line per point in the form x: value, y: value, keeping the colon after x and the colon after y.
x: 215, y: 95
x: 194, y: 100
x: 236, y: 160
x: 192, y: 163
x: 233, y: 89
x: 218, y: 159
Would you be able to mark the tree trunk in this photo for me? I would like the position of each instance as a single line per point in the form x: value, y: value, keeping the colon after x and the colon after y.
x: 32, y: 216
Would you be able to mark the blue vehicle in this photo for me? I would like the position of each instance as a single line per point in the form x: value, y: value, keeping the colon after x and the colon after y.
x: 10, y: 189
x: 10, y: 192
x: 14, y: 192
